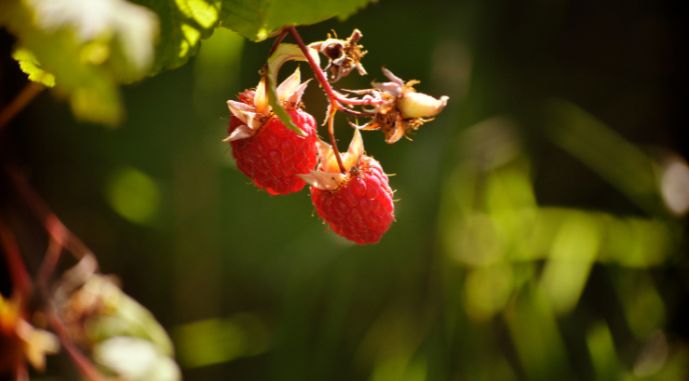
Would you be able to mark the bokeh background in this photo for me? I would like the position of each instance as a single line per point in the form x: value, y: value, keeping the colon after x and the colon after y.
x: 540, y: 233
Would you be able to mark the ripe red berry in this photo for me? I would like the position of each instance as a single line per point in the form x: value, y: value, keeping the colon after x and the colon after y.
x: 275, y: 154
x: 361, y: 209
x: 356, y: 204
x: 267, y: 151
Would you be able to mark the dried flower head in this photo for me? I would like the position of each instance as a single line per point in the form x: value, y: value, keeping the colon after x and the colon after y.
x: 399, y: 109
x: 343, y: 55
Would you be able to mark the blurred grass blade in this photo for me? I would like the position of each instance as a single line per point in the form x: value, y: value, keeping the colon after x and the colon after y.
x: 616, y: 160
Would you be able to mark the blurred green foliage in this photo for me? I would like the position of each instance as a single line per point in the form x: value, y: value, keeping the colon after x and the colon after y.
x: 539, y: 235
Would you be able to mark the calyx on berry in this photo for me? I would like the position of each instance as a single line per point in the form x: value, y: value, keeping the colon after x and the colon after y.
x: 399, y: 108
x: 327, y: 175
x: 255, y: 113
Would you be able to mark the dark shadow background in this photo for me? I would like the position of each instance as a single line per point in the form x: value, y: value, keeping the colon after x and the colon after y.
x: 562, y: 118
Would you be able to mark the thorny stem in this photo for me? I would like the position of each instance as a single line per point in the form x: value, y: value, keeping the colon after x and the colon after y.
x: 52, y: 224
x: 20, y: 277
x: 334, y: 97
x: 329, y: 92
x: 19, y: 102
x: 277, y: 41
x: 317, y: 71
x: 61, y: 237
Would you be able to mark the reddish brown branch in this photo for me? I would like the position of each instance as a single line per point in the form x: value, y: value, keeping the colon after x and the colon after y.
x: 329, y: 92
x: 82, y: 362
x: 277, y: 41
x: 317, y: 71
x: 28, y: 93
x: 21, y: 373
x: 21, y: 282
x: 52, y: 224
x: 50, y: 260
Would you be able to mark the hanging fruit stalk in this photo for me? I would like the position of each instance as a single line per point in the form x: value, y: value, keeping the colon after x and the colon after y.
x: 275, y: 144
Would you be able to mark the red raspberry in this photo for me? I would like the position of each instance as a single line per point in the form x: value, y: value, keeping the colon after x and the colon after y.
x: 361, y: 208
x: 275, y: 154
x: 267, y: 151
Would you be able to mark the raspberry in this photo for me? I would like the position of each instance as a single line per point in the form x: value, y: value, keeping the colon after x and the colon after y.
x: 361, y: 209
x: 275, y: 154
x: 265, y: 150
x: 357, y: 204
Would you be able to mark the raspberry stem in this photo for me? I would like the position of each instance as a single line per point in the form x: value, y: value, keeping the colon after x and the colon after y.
x: 51, y: 223
x: 277, y: 41
x: 329, y: 92
x: 317, y: 71
x: 21, y: 281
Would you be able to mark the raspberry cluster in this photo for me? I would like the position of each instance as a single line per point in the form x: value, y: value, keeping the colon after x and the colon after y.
x: 275, y: 142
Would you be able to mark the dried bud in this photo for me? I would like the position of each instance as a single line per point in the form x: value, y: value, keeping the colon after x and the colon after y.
x: 419, y: 105
x: 343, y: 55
x: 400, y: 109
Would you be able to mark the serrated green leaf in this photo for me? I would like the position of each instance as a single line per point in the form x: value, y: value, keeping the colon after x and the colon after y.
x: 260, y: 19
x: 31, y: 67
x: 183, y: 24
x: 89, y: 47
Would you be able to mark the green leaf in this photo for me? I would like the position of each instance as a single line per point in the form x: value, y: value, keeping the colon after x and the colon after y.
x: 260, y: 19
x: 183, y: 24
x: 88, y: 48
x: 31, y: 67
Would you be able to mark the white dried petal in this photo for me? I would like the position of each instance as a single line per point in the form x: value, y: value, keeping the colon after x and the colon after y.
x: 392, y: 77
x: 298, y: 93
x: 241, y: 132
x: 239, y: 109
x: 289, y: 86
x: 356, y: 146
x: 324, y: 180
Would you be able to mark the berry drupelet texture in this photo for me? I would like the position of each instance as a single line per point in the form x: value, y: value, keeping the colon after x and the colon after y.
x: 361, y: 209
x: 275, y: 154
